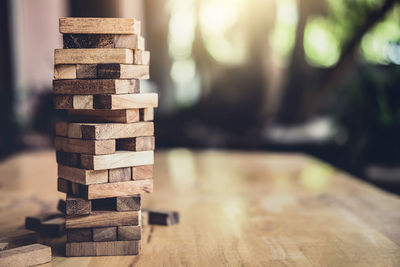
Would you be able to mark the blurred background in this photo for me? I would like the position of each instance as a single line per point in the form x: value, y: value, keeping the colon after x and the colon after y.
x: 316, y: 76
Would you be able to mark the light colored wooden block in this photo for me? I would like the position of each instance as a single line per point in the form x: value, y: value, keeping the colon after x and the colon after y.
x: 105, y: 234
x: 93, y: 87
x: 74, y: 130
x: 127, y: 203
x: 122, y: 71
x: 64, y: 72
x: 141, y: 143
x: 146, y: 114
x: 102, y: 219
x: 130, y: 232
x: 62, y: 128
x: 98, y: 55
x: 119, y: 175
x: 108, y: 248
x: 126, y: 101
x: 141, y: 57
x: 101, y: 131
x: 86, y: 71
x: 95, y: 147
x: 100, y: 25
x: 119, y: 189
x: 131, y: 41
x: 25, y: 256
x: 119, y: 159
x: 116, y: 116
x: 142, y: 172
x: 82, y: 176
x: 20, y: 237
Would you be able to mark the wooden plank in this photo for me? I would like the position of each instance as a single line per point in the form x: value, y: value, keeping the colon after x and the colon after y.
x: 64, y: 71
x: 103, y: 204
x: 97, y: 86
x: 159, y: 217
x: 95, y: 147
x: 82, y: 176
x: 3, y: 246
x: 25, y: 256
x: 131, y: 41
x: 78, y: 206
x: 128, y: 203
x: 142, y: 172
x: 74, y: 130
x: 53, y: 227
x: 98, y: 56
x: 68, y: 159
x: 119, y: 159
x: 62, y: 128
x: 73, y: 101
x: 144, y: 214
x: 126, y: 101
x: 61, y: 206
x: 18, y: 238
x: 102, y: 219
x: 119, y: 175
x: 116, y: 130
x: 122, y: 71
x: 111, y: 116
x: 141, y: 57
x: 146, y: 114
x: 119, y: 189
x: 86, y: 71
x: 130, y: 232
x: 79, y: 235
x: 99, y: 25
x: 34, y: 222
x: 141, y: 143
x: 105, y: 234
x: 108, y: 248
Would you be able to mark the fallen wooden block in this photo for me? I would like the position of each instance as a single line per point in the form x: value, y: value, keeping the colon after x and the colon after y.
x: 119, y: 174
x: 122, y: 71
x: 18, y: 238
x: 99, y: 26
x: 68, y: 159
x: 119, y: 159
x: 79, y: 235
x: 102, y: 219
x: 141, y: 143
x: 141, y: 57
x: 104, y: 234
x: 142, y: 172
x: 162, y: 217
x: 128, y: 203
x: 3, y: 246
x: 111, y: 116
x: 93, y: 147
x: 99, y: 56
x: 131, y: 41
x: 34, y: 222
x: 73, y: 101
x: 93, y: 87
x: 78, y: 206
x: 108, y: 248
x: 82, y: 176
x: 53, y: 227
x: 61, y: 206
x: 130, y: 232
x: 126, y: 101
x: 25, y: 256
x: 146, y: 114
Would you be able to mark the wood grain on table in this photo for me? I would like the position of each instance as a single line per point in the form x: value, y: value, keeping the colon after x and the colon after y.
x: 236, y: 209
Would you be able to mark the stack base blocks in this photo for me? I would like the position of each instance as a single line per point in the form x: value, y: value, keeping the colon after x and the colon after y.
x: 105, y: 150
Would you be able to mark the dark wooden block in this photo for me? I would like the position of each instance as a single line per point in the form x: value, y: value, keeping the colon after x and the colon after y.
x: 88, y: 41
x: 3, y: 246
x: 68, y: 159
x: 61, y: 206
x: 19, y: 238
x: 79, y: 235
x: 104, y: 234
x: 108, y: 248
x: 78, y: 206
x: 163, y: 217
x: 34, y: 222
x: 103, y: 204
x: 54, y: 227
x: 128, y: 203
x: 129, y: 232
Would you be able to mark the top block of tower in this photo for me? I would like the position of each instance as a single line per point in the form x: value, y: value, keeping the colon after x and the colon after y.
x: 100, y: 26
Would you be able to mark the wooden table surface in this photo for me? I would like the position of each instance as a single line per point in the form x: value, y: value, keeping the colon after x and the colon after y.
x: 236, y: 208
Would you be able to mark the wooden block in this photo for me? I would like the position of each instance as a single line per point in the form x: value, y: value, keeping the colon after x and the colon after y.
x: 99, y: 56
x: 141, y: 57
x: 100, y: 25
x: 74, y: 130
x: 119, y: 189
x: 104, y: 234
x: 128, y: 203
x: 108, y: 248
x: 34, y: 222
x: 95, y: 147
x: 98, y: 86
x: 141, y: 143
x: 3, y: 246
x: 53, y: 227
x: 142, y: 172
x: 18, y: 238
x: 145, y: 218
x: 78, y: 206
x: 63, y: 185
x: 146, y: 114
x: 117, y: 116
x: 116, y: 130
x: 122, y: 71
x: 127, y: 101
x: 61, y: 206
x: 62, y: 128
x: 129, y: 232
x: 68, y: 159
x: 86, y: 71
x: 119, y: 175
x: 79, y: 235
x: 131, y: 41
x: 119, y: 159
x: 103, y: 204
x: 73, y: 101
x: 163, y: 217
x: 102, y: 219
x: 74, y: 188
x: 64, y: 72
x: 25, y: 256
x: 82, y: 176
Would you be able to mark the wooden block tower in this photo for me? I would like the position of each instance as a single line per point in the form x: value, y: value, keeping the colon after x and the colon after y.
x: 105, y: 150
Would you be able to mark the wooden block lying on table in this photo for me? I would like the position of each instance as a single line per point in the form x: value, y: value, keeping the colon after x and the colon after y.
x: 108, y: 248
x: 53, y: 227
x: 64, y: 72
x: 119, y: 174
x: 102, y: 219
x: 95, y: 147
x: 122, y: 71
x: 68, y: 159
x: 162, y: 217
x: 25, y: 256
x: 116, y: 116
x: 18, y: 238
x: 128, y: 203
x: 119, y: 159
x: 141, y: 57
x: 34, y: 222
x: 3, y: 246
x: 98, y: 56
x: 130, y: 232
x: 93, y: 87
x: 141, y: 143
x: 73, y: 101
x: 105, y: 234
x: 132, y: 41
x: 146, y: 114
x: 79, y: 235
x: 61, y: 206
x: 126, y: 101
x: 78, y: 206
x: 99, y: 25
x: 82, y: 176
x: 142, y: 172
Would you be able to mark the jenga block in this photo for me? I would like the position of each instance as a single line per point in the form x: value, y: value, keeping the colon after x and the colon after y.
x: 18, y: 238
x: 104, y: 234
x: 82, y: 176
x: 131, y: 41
x: 95, y: 147
x: 144, y: 214
x: 3, y: 246
x: 163, y: 217
x: 119, y: 175
x: 64, y: 72
x: 122, y: 71
x: 127, y: 101
x: 102, y: 219
x: 34, y: 222
x: 53, y: 227
x: 25, y: 256
x: 100, y: 25
x: 68, y: 159
x: 73, y: 101
x: 74, y: 130
x: 99, y: 56
x: 78, y: 206
x: 92, y: 87
x: 86, y: 71
x: 146, y: 114
x: 141, y: 143
x: 75, y: 189
x: 116, y: 130
x: 63, y: 185
x: 142, y: 172
x: 103, y: 204
x: 128, y: 203
x: 119, y: 189
x: 129, y: 232
x: 141, y: 57
x: 95, y: 116
x: 79, y: 235
x: 108, y: 248
x: 119, y: 159
x: 62, y: 128
x: 61, y: 206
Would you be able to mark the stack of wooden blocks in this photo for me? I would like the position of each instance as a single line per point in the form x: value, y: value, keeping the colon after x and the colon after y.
x: 105, y: 150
